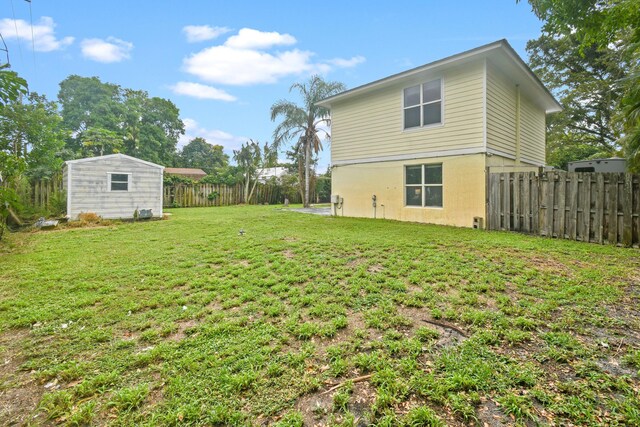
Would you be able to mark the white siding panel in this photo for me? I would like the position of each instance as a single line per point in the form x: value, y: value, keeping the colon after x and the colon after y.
x: 372, y: 125
x: 501, y: 119
x: 501, y: 111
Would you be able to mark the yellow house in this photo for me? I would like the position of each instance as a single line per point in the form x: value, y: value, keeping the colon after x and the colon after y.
x: 416, y: 146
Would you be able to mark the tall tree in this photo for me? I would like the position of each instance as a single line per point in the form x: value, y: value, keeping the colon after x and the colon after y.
x: 252, y: 160
x: 149, y: 128
x: 585, y: 79
x: 99, y: 142
x: 198, y: 153
x: 304, y: 123
x: 88, y: 102
x: 603, y: 25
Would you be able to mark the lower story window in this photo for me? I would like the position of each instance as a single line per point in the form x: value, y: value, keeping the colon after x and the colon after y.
x: 423, y: 185
x: 119, y: 182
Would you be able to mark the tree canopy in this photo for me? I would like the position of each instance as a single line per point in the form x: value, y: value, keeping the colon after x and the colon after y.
x: 589, y: 52
x: 198, y: 153
x: 148, y: 127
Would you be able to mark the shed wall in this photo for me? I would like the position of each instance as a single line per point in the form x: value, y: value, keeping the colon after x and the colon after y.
x: 90, y: 193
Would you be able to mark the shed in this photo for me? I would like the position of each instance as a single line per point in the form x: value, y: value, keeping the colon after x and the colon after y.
x: 191, y: 173
x: 112, y: 186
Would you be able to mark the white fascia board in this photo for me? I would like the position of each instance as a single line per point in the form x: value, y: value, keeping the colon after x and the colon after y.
x: 110, y: 156
x: 427, y: 155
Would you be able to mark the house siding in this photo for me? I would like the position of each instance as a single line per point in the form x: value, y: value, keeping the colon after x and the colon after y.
x: 90, y: 192
x: 501, y: 119
x: 371, y: 126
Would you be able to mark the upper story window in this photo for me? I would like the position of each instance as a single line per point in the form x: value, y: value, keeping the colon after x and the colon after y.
x: 119, y: 181
x: 423, y: 104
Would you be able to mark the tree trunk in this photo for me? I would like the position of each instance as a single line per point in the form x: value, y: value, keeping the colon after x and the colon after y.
x: 246, y: 189
x: 307, y: 166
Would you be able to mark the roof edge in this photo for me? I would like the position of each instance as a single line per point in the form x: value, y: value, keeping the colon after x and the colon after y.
x: 499, y: 44
x: 108, y: 156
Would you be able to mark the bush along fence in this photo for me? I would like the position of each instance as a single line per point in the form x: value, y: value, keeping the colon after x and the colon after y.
x: 200, y: 195
x: 44, y: 196
x: 590, y: 207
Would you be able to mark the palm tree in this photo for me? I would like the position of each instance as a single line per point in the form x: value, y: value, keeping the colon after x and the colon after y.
x: 303, y: 122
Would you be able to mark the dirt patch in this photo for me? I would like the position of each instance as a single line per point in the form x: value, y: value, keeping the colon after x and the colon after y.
x: 180, y: 333
x: 356, y: 262
x: 288, y: 254
x: 375, y: 268
x: 490, y: 415
x: 244, y: 263
x: 450, y: 334
x: 19, y: 392
x: 550, y: 265
x: 317, y: 408
x: 290, y: 239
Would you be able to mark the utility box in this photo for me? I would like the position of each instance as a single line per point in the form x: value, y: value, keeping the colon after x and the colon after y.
x: 478, y: 222
x: 335, y: 199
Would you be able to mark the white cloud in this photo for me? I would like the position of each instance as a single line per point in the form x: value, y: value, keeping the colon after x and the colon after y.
x: 109, y: 50
x: 199, y: 33
x: 226, y: 65
x: 347, y: 63
x: 248, y: 38
x: 244, y: 59
x: 213, y: 136
x: 197, y: 90
x: 44, y: 39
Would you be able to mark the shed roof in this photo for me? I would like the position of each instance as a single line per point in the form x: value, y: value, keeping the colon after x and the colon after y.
x: 185, y: 171
x: 500, y: 52
x: 111, y: 156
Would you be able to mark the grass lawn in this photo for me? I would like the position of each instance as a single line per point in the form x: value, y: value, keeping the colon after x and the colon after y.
x: 315, y: 320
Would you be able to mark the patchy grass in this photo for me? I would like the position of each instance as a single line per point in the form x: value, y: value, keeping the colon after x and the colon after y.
x: 187, y: 322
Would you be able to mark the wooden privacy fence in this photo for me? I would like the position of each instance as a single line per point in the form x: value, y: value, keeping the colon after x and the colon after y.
x: 200, y: 195
x: 41, y: 194
x: 591, y: 207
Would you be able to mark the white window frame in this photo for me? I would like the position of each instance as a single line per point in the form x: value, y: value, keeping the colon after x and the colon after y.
x: 129, y: 174
x: 422, y: 104
x: 423, y: 185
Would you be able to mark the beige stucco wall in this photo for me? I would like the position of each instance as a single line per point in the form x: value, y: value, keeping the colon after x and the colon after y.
x: 463, y: 190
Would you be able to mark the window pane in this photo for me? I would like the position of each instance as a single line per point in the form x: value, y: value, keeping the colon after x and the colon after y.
x: 433, y: 174
x: 414, y: 174
x: 412, y: 96
x: 431, y: 91
x: 119, y: 186
x: 433, y: 196
x: 414, y: 196
x: 119, y: 177
x: 412, y: 117
x: 432, y: 113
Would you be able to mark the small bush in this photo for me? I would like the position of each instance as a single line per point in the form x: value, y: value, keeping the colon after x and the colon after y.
x: 89, y: 217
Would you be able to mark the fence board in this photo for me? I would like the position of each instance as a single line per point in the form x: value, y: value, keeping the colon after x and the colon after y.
x: 572, y: 212
x: 598, y: 207
x: 585, y: 201
x: 612, y: 211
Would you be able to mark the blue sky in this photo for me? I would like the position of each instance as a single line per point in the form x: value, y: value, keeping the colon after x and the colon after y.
x: 224, y: 63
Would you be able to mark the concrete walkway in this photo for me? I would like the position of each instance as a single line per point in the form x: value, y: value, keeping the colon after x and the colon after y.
x: 314, y: 211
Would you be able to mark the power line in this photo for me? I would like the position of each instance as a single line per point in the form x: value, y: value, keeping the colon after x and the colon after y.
x: 33, y: 42
x: 15, y: 24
